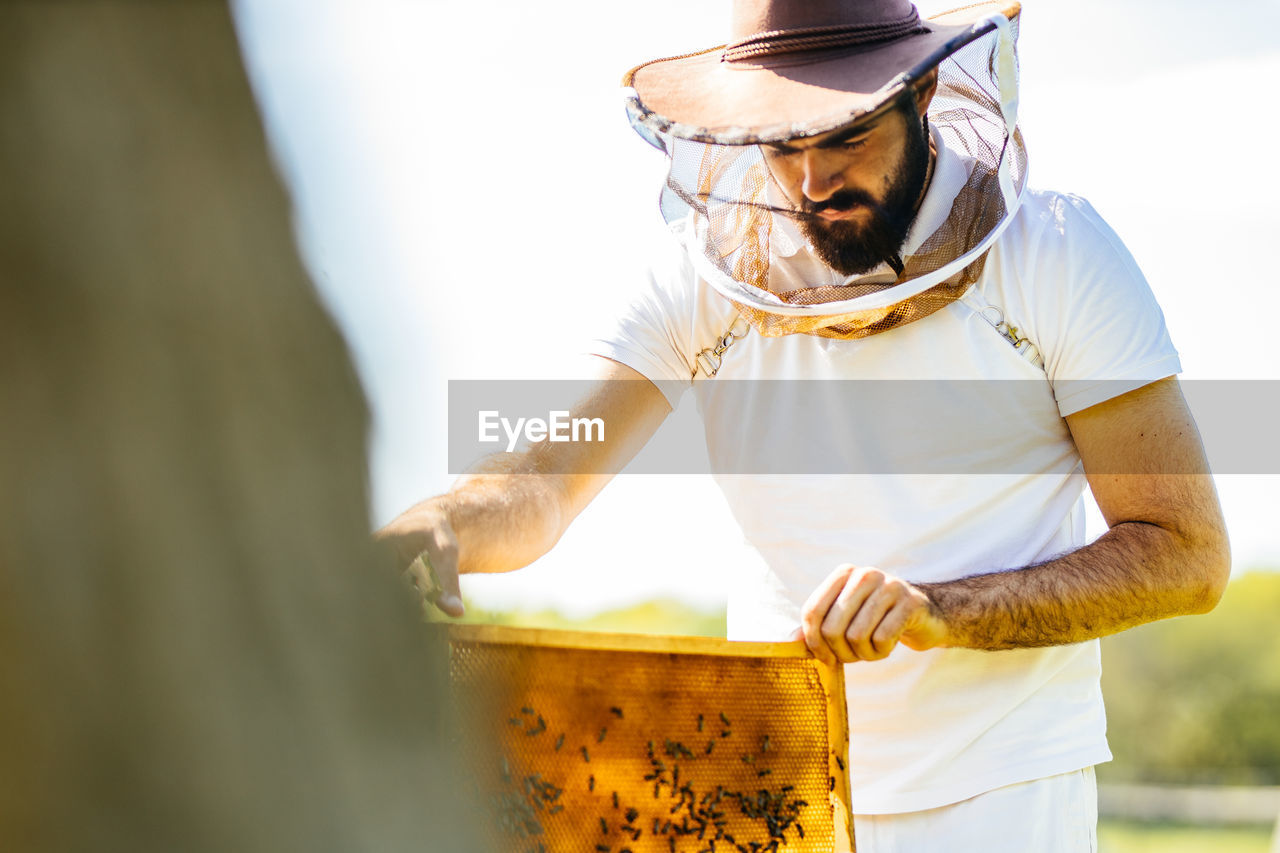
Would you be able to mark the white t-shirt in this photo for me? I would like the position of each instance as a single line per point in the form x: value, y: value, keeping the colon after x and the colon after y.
x: 996, y: 486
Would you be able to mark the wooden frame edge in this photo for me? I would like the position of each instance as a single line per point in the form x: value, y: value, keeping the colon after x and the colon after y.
x: 838, y: 755
x: 660, y: 644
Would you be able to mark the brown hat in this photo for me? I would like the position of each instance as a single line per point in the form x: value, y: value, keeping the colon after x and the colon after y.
x: 800, y: 68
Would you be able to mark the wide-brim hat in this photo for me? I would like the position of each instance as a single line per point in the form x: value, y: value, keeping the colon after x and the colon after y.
x: 796, y: 68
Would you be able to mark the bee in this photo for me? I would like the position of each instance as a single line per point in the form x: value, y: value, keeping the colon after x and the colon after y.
x: 559, y: 741
x: 586, y: 756
x: 616, y: 711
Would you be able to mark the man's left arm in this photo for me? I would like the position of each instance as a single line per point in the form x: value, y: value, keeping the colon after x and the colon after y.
x: 1165, y: 554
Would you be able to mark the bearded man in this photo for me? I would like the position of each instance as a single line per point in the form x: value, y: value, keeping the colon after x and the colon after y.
x: 848, y: 201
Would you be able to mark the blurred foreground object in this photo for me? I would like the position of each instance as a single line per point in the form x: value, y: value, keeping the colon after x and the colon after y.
x: 197, y: 650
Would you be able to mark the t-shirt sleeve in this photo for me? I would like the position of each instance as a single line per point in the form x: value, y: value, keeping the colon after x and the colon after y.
x: 652, y: 328
x: 1099, y: 328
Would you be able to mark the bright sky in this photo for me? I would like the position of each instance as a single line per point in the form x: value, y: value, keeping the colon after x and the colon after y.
x: 469, y: 196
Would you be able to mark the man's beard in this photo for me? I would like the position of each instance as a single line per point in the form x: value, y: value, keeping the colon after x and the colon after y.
x: 851, y: 248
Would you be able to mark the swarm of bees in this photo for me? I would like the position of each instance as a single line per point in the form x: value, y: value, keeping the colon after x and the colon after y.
x: 690, y: 818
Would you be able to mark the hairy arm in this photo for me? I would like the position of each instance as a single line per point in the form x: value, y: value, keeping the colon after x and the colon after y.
x: 511, y: 508
x: 1165, y: 554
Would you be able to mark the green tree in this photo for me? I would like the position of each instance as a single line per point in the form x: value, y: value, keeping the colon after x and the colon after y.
x: 1197, y: 699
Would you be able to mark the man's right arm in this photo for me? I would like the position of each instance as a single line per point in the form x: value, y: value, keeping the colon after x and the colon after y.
x: 511, y: 508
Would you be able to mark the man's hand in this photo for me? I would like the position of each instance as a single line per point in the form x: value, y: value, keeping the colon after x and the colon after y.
x: 424, y: 547
x: 861, y: 613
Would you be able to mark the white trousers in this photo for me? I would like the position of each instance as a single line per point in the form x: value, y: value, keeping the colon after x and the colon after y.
x: 1058, y: 814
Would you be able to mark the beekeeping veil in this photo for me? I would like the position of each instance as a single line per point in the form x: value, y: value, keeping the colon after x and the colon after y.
x: 803, y: 68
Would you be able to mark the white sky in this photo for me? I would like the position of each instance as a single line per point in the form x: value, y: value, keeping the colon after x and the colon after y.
x: 468, y: 194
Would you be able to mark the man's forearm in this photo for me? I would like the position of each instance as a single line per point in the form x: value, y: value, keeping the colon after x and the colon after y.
x: 1166, y: 554
x: 503, y: 517
x: 500, y: 516
x: 1133, y: 574
x: 511, y: 508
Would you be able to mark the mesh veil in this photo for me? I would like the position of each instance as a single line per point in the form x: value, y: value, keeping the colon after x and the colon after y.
x: 744, y: 239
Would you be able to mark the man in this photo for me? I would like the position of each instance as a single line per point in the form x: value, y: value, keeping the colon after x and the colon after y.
x: 847, y: 195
